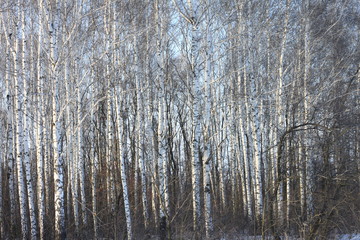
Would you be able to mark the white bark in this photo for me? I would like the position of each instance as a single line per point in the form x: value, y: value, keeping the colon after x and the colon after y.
x: 39, y: 132
x: 58, y: 165
x: 232, y: 153
x: 53, y: 25
x: 109, y: 116
x: 280, y: 114
x: 140, y: 129
x: 93, y: 157
x: 207, y: 143
x: 121, y: 119
x: 162, y: 127
x: 149, y: 120
x: 255, y: 125
x: 143, y: 172
x: 70, y: 148
x: 80, y: 156
x: 247, y: 144
x: 308, y: 162
x: 30, y: 192
x: 18, y: 84
x: 247, y: 169
x: 2, y: 156
x: 10, y: 137
x: 162, y: 164
x: 197, y: 115
x: 243, y: 121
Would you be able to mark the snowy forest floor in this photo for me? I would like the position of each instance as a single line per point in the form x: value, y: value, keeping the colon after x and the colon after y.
x: 234, y: 236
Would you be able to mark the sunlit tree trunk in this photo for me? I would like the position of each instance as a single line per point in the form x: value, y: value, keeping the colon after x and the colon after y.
x: 54, y: 26
x: 109, y: 114
x: 162, y: 160
x: 19, y: 133
x: 80, y: 156
x: 280, y: 114
x: 256, y: 144
x: 121, y: 119
x: 308, y: 162
x: 27, y: 127
x: 196, y: 92
x: 39, y: 131
x: 249, y: 141
x: 70, y: 149
x: 207, y: 189
x: 140, y: 129
x: 94, y: 155
x: 244, y: 120
x: 10, y: 135
x: 2, y: 156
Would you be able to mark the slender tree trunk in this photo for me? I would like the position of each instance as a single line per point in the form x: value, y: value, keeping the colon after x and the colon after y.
x: 243, y: 120
x: 71, y: 147
x: 39, y: 133
x: 53, y: 26
x: 207, y: 144
x: 308, y: 162
x: 2, y: 156
x: 19, y: 134
x: 93, y: 157
x: 109, y: 116
x: 80, y: 156
x: 10, y: 137
x: 280, y: 114
x: 140, y: 129
x: 121, y: 119
x: 162, y: 127
x: 196, y: 93
x: 26, y: 139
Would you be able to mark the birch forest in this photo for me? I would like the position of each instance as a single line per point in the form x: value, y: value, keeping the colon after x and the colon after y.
x: 179, y: 119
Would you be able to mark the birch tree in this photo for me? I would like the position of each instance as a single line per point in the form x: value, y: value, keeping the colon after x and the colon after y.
x: 29, y: 187
x: 122, y: 138
x: 18, y: 85
x: 39, y: 130
x: 166, y: 119
x: 53, y: 24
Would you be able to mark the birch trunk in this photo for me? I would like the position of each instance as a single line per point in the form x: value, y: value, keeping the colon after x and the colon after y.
x: 121, y: 119
x: 30, y: 192
x: 232, y: 153
x: 162, y: 127
x: 80, y: 156
x: 248, y: 140
x: 308, y: 163
x: 18, y: 85
x: 247, y: 169
x: 71, y: 147
x: 140, y: 135
x: 150, y: 129
x: 10, y: 138
x: 280, y: 114
x: 196, y: 93
x: 2, y: 156
x: 300, y: 165
x: 53, y: 26
x: 207, y: 144
x: 39, y: 132
x: 243, y: 120
x: 109, y: 116
x: 93, y: 156
x: 197, y: 131
x: 256, y: 141
x: 58, y: 165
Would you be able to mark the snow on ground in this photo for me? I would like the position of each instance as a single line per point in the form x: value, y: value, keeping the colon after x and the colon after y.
x: 349, y: 237
x: 338, y: 237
